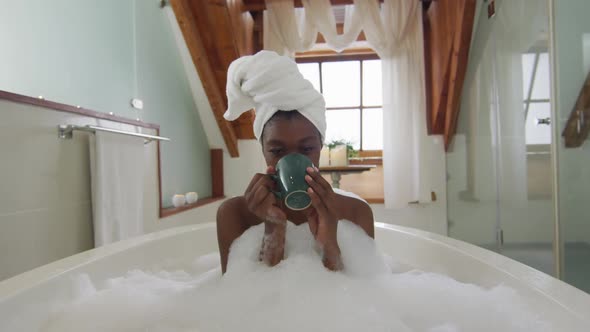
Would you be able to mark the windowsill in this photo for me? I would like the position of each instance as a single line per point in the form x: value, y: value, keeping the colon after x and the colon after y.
x: 374, y: 200
x: 366, y: 161
x: 167, y: 212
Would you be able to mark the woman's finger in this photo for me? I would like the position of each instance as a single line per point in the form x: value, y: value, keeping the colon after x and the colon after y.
x: 317, y: 188
x: 323, y: 186
x: 318, y: 204
x: 256, y: 178
x: 253, y: 182
x: 317, y: 175
x: 266, y: 182
x: 260, y: 197
x: 327, y: 196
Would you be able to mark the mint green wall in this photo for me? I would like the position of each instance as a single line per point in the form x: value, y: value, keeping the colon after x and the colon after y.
x: 165, y: 90
x: 100, y: 55
x: 571, y: 24
x: 572, y: 55
x: 75, y: 52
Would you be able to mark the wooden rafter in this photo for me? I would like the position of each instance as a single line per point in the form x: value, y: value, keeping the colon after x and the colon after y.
x: 458, y: 68
x: 448, y: 26
x: 217, y: 32
x: 578, y: 124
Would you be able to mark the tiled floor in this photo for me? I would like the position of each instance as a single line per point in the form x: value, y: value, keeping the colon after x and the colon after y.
x: 577, y: 265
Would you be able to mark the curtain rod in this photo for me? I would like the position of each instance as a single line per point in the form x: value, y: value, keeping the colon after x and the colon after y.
x: 66, y: 132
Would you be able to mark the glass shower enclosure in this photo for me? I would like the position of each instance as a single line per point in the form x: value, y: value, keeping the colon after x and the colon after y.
x: 512, y: 185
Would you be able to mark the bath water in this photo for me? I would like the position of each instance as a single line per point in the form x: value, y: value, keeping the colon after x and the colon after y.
x: 373, y: 293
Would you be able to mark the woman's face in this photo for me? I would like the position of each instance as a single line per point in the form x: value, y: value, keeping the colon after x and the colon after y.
x: 282, y: 136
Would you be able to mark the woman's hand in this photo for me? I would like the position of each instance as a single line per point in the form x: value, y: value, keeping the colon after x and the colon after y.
x: 264, y: 205
x: 323, y: 218
x: 261, y: 200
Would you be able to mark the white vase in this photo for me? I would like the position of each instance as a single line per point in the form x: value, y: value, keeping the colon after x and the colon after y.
x: 339, y: 156
x: 325, y: 156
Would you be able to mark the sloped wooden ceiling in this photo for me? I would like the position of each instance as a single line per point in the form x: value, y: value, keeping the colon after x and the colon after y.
x: 219, y: 31
x: 448, y: 26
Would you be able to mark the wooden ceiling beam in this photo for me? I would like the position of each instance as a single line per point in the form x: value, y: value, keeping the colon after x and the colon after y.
x: 578, y: 124
x: 205, y: 55
x: 448, y: 25
x: 459, y: 60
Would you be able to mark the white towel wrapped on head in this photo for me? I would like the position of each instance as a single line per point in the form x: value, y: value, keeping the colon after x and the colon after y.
x: 269, y: 83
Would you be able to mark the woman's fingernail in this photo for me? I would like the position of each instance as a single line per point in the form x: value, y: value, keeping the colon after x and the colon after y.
x: 308, y: 178
x: 316, y: 169
x: 310, y: 170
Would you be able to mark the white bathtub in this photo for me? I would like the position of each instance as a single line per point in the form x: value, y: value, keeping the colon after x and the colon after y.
x: 564, y: 305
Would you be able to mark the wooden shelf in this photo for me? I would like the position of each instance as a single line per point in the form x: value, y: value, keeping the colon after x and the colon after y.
x: 347, y: 169
x: 167, y: 212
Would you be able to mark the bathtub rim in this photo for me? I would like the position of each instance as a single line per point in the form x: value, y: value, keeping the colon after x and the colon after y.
x: 557, y: 291
x: 560, y: 293
x: 14, y: 285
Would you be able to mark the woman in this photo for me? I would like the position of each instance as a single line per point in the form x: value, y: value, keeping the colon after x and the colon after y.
x: 290, y: 118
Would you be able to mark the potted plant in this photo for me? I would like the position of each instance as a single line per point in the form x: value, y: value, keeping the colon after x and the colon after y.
x: 340, y: 151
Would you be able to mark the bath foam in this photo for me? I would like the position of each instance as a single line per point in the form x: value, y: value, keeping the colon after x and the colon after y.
x: 298, y: 294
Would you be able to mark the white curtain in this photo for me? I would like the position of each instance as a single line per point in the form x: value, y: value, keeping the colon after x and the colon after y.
x: 287, y: 30
x: 394, y: 30
x: 497, y: 164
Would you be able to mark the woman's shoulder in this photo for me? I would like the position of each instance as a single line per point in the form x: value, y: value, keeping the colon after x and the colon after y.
x: 348, y: 194
x: 232, y: 207
x: 236, y: 209
x: 233, y: 203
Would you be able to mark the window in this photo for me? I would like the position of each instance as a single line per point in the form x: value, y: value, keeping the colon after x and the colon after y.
x: 536, y: 96
x: 353, y: 94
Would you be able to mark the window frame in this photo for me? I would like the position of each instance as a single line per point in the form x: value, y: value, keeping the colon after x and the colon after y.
x: 319, y: 59
x: 528, y: 100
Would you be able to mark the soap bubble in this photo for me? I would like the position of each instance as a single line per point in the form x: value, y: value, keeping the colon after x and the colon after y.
x: 373, y: 293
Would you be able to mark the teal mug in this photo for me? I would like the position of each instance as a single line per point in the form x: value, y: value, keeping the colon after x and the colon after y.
x: 290, y: 179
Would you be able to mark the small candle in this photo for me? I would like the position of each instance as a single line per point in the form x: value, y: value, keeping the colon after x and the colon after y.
x: 178, y: 200
x: 191, y: 197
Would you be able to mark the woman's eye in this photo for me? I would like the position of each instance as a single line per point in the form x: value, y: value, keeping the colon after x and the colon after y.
x: 276, y: 152
x: 308, y: 149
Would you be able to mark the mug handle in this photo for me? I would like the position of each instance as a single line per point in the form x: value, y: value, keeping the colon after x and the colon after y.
x: 275, y: 178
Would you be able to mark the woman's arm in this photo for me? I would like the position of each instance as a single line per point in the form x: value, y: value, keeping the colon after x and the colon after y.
x: 356, y: 211
x: 272, y: 250
x: 230, y: 226
x: 328, y: 209
x: 256, y: 206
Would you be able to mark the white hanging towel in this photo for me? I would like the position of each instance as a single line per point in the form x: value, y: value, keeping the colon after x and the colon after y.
x: 117, y: 170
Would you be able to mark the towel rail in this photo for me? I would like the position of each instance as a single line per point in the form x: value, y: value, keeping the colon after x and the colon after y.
x: 66, y: 132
